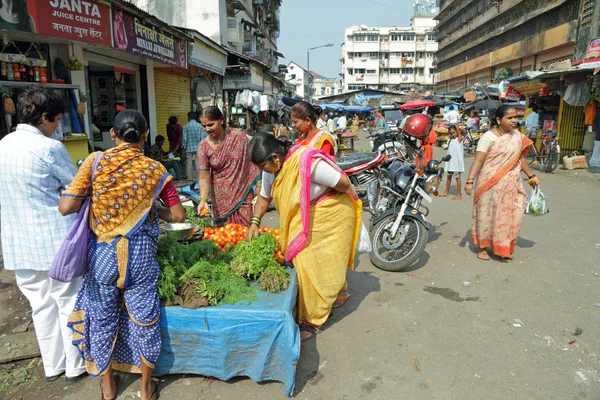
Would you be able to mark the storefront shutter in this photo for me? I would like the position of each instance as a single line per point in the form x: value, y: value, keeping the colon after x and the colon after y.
x: 172, y: 98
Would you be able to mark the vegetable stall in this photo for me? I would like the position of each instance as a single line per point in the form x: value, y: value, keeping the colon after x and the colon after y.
x: 228, y: 305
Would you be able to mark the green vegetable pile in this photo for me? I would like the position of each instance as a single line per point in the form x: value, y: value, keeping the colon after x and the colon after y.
x: 198, y: 274
x: 195, y: 219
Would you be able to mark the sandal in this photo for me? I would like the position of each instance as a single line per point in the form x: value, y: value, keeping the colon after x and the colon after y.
x: 314, y: 331
x: 444, y: 195
x: 483, y: 255
x: 155, y: 394
x: 341, y: 300
x: 116, y: 378
x: 457, y: 198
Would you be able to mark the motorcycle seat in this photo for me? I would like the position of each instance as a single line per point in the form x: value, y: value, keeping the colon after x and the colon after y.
x: 355, y: 160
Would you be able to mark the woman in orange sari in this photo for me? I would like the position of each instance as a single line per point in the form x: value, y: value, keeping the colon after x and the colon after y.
x: 304, y: 120
x: 319, y: 216
x: 499, y: 201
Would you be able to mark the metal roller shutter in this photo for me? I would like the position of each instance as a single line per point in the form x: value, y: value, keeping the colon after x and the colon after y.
x: 173, y: 97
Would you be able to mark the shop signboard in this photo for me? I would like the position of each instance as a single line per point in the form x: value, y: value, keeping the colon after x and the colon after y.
x: 76, y: 20
x: 208, y: 58
x: 137, y: 36
x: 592, y: 56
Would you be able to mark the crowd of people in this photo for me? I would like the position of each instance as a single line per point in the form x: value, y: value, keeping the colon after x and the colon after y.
x: 108, y: 320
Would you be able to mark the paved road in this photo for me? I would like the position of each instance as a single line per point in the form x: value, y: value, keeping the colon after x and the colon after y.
x: 447, y: 330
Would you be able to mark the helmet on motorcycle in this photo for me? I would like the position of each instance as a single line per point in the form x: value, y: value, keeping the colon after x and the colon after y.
x: 418, y: 126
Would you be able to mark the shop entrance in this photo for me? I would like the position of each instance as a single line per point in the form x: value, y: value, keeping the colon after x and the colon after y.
x: 112, y: 90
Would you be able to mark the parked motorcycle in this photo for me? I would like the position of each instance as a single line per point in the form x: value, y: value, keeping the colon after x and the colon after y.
x: 399, y: 229
x: 362, y: 169
x: 392, y: 144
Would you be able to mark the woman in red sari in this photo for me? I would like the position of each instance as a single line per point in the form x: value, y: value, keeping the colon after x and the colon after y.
x: 304, y: 120
x: 499, y: 201
x: 225, y: 171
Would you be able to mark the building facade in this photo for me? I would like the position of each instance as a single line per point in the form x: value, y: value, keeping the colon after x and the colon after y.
x: 477, y: 38
x: 390, y: 58
x: 324, y: 87
x: 247, y: 27
x: 299, y: 78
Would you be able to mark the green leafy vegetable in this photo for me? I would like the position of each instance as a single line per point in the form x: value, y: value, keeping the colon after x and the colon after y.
x: 274, y: 278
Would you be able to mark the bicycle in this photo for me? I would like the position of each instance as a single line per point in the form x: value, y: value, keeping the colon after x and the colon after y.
x: 549, y: 155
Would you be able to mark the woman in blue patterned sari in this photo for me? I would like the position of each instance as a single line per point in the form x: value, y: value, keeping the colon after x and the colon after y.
x: 115, y: 321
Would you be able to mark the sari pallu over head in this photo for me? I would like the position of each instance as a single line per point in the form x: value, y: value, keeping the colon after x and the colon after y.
x: 123, y: 192
x: 291, y: 195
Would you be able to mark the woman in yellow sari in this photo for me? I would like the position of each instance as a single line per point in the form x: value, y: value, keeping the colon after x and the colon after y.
x: 319, y: 221
x: 499, y: 201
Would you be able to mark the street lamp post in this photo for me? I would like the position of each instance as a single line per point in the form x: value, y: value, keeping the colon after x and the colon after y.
x: 309, y: 98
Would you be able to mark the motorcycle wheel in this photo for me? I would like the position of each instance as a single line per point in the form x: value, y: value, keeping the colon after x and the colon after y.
x: 406, y: 252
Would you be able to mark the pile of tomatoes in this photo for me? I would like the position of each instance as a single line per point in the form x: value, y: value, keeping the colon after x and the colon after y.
x: 231, y: 234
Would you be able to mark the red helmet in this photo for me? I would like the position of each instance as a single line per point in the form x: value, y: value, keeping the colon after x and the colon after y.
x: 418, y: 126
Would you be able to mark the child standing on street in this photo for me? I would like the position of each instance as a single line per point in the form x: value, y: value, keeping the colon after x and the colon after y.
x: 456, y: 165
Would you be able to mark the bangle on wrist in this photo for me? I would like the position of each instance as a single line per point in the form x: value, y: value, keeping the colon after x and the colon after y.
x: 531, y: 176
x: 203, y: 200
x: 255, y: 221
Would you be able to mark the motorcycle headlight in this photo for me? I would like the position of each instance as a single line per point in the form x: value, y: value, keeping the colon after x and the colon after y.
x: 432, y: 183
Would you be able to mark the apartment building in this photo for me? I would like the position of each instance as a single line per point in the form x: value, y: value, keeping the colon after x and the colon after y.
x: 391, y: 58
x: 324, y: 86
x: 479, y: 37
x: 299, y: 78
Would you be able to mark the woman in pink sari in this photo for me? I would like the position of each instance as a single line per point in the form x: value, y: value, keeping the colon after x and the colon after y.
x: 499, y: 201
x: 225, y: 171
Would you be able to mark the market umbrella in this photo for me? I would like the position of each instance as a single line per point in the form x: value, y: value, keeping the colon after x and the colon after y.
x: 417, y: 104
x: 489, y: 104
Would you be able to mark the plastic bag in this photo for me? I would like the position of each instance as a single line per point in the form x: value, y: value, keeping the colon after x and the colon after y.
x: 536, y: 204
x: 364, y: 240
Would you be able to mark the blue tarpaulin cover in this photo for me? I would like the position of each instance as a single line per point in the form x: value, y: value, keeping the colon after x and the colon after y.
x: 260, y: 340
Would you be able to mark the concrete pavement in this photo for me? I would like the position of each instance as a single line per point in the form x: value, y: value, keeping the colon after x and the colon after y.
x: 452, y: 326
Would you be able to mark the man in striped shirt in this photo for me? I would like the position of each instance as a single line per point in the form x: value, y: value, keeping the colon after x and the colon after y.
x: 193, y: 133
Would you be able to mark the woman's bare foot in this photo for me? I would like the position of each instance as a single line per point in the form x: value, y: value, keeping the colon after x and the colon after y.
x: 457, y: 198
x: 445, y: 194
x: 483, y: 255
x: 149, y: 391
x: 108, y: 386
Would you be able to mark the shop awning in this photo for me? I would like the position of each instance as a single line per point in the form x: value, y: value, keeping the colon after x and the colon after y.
x: 278, y: 54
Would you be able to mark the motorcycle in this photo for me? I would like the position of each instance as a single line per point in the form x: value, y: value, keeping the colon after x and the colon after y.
x: 362, y: 169
x: 392, y: 144
x: 400, y: 229
x: 470, y: 141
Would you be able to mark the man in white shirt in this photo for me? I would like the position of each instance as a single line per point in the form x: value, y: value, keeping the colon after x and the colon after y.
x: 452, y: 117
x: 533, y: 121
x: 342, y: 122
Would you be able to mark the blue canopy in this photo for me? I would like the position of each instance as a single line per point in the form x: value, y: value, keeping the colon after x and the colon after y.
x: 361, y: 98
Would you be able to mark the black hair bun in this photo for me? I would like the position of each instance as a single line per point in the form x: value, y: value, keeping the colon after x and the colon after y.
x: 286, y: 142
x: 318, y: 110
x: 129, y: 133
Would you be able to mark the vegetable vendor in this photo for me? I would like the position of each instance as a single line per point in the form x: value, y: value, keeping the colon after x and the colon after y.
x: 319, y: 221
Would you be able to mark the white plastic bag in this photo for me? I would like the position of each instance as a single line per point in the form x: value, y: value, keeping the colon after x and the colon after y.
x: 536, y: 204
x: 364, y: 240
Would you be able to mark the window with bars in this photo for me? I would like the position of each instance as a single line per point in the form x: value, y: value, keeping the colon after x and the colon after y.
x: 587, y: 9
x: 548, y: 63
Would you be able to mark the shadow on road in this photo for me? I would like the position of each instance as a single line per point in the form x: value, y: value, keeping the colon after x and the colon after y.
x: 435, y: 233
x: 360, y: 285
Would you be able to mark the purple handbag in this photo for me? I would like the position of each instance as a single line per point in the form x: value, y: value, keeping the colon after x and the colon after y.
x: 71, y: 260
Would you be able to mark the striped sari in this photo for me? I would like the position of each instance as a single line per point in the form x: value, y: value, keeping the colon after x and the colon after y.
x: 499, y: 201
x: 318, y: 236
x: 115, y: 320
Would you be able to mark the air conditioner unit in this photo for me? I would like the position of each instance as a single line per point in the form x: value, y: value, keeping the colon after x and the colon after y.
x: 233, y: 30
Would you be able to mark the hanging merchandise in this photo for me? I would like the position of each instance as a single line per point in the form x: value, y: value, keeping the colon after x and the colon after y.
x: 577, y: 94
x: 590, y: 112
x: 74, y: 64
x: 83, y: 98
x: 9, y: 104
x: 264, y: 103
